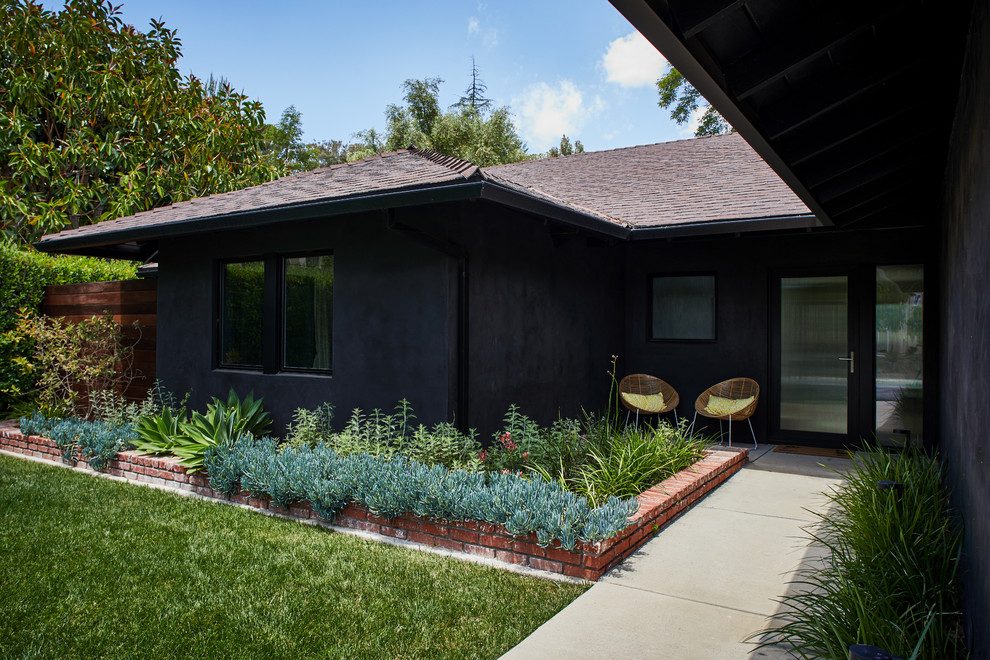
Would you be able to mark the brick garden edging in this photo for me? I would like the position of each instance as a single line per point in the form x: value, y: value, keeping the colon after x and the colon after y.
x: 659, y: 506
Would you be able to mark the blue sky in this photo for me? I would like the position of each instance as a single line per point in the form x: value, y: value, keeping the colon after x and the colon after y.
x: 562, y: 66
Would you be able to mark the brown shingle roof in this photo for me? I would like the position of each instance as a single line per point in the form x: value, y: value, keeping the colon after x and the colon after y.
x: 696, y: 181
x: 699, y: 180
x: 399, y: 170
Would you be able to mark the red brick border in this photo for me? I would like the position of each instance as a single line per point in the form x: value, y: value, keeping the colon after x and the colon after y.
x: 659, y: 506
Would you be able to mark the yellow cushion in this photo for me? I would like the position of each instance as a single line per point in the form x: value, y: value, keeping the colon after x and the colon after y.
x: 721, y: 407
x: 646, y: 402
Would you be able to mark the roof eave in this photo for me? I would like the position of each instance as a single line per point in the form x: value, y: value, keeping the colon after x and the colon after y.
x: 729, y: 226
x: 644, y: 18
x: 106, y: 242
x: 594, y: 224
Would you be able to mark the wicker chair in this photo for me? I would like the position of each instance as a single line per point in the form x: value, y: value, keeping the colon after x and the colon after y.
x: 648, y: 386
x: 734, y: 389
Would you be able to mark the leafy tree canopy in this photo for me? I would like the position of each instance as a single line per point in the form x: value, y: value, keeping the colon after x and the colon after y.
x: 96, y: 122
x: 472, y: 131
x: 283, y: 143
x: 565, y: 148
x: 676, y: 91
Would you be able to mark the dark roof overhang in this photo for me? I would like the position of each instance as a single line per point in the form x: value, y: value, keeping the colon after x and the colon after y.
x: 850, y: 102
x: 140, y: 242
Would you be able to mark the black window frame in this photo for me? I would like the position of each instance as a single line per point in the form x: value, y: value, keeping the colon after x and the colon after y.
x: 273, y: 310
x: 220, y: 288
x: 650, y: 286
x: 282, y: 283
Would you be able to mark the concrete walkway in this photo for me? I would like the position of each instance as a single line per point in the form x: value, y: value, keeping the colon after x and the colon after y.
x: 705, y: 583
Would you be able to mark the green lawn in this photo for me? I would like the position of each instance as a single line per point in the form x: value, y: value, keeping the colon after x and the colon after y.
x: 91, y: 568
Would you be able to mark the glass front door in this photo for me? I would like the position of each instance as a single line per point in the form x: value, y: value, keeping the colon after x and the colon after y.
x: 815, y: 355
x: 899, y: 356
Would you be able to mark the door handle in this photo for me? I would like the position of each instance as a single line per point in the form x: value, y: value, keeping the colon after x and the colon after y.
x: 851, y: 360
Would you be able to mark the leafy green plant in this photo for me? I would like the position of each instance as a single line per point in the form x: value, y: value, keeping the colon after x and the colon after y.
x: 187, y: 439
x: 391, y: 486
x: 888, y: 577
x: 636, y: 459
x: 156, y: 433
x: 111, y: 407
x: 310, y: 427
x: 98, y: 442
x: 70, y: 362
x: 24, y: 274
x: 378, y: 434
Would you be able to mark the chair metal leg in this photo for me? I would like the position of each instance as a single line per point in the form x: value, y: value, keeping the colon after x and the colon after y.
x: 691, y: 428
x: 721, y: 433
x: 752, y: 431
x: 636, y: 424
x: 628, y: 412
x: 730, y: 429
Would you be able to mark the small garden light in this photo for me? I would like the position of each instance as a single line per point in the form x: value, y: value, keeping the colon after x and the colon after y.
x: 867, y: 652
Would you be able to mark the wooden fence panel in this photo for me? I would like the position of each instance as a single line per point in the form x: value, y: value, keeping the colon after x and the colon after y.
x: 126, y: 301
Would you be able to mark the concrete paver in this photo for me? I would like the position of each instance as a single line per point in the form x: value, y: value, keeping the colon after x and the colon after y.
x: 706, y: 583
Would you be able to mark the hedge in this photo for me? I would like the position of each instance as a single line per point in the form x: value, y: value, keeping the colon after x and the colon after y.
x: 24, y: 274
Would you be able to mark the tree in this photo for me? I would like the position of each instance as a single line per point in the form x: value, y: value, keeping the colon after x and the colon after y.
x: 565, y: 148
x: 283, y: 143
x: 477, y: 134
x: 96, y: 122
x: 676, y: 91
x: 474, y: 97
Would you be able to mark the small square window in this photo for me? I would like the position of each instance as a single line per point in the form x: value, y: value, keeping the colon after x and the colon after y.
x: 242, y: 309
x: 682, y: 307
x: 307, y: 316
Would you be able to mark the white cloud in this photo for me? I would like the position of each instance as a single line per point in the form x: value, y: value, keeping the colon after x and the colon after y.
x: 489, y: 36
x: 694, y: 122
x: 546, y: 112
x: 632, y: 61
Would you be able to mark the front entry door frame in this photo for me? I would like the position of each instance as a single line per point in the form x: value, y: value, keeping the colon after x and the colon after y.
x: 860, y: 340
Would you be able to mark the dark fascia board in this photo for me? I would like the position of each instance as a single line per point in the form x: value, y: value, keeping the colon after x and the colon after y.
x: 733, y: 226
x: 247, y: 219
x: 658, y: 33
x: 127, y: 243
x: 547, y: 209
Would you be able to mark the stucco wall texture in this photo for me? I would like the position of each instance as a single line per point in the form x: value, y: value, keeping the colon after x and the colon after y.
x: 965, y: 342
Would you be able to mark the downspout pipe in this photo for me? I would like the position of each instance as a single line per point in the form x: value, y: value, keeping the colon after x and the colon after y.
x: 460, y: 255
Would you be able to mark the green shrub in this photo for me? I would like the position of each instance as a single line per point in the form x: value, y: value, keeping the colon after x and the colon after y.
x: 111, y: 407
x: 170, y: 432
x: 392, y: 486
x: 633, y: 460
x: 378, y: 434
x: 310, y: 427
x: 888, y: 577
x: 24, y: 274
x: 98, y: 442
x: 71, y: 362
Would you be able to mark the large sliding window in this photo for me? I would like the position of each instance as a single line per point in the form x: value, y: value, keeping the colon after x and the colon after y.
x: 276, y: 314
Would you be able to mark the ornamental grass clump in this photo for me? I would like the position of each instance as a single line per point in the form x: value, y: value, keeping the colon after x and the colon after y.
x: 888, y: 577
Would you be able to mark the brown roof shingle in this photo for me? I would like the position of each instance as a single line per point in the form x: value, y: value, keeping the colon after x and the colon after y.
x: 696, y: 181
x: 699, y: 180
x: 399, y: 170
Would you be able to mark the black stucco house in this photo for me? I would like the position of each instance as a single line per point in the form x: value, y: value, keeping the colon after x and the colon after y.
x: 417, y: 275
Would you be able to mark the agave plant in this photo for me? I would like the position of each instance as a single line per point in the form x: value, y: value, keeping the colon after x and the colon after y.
x: 156, y: 433
x: 222, y: 424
